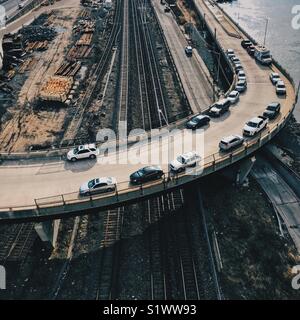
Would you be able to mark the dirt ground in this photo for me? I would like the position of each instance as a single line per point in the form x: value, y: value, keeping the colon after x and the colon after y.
x: 256, y: 261
x: 29, y: 126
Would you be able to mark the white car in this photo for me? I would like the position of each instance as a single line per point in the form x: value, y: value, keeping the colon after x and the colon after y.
x: 87, y: 151
x: 274, y: 77
x: 98, y: 185
x: 280, y: 87
x: 241, y: 86
x: 188, y: 50
x: 189, y: 159
x: 241, y: 75
x: 230, y: 53
x: 231, y: 142
x: 238, y: 67
x: 255, y: 125
x: 233, y: 96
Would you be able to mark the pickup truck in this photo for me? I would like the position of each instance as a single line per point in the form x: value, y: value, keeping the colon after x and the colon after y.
x: 255, y: 125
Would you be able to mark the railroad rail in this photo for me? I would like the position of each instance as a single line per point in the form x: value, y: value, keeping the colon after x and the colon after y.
x: 95, y: 79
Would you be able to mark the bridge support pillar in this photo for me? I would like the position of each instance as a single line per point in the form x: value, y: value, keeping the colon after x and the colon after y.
x: 48, y: 231
x: 245, y: 167
x: 239, y: 172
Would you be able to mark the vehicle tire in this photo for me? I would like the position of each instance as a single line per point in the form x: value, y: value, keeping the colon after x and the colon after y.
x: 74, y: 159
x: 194, y: 165
x: 92, y: 156
x: 109, y: 190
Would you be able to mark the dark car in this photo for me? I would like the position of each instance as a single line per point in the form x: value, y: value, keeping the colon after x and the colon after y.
x: 198, y: 122
x: 246, y: 43
x: 272, y: 110
x: 146, y: 174
x: 251, y: 50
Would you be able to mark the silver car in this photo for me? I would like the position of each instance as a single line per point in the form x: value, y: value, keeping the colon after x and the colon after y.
x: 98, y: 185
x: 231, y: 142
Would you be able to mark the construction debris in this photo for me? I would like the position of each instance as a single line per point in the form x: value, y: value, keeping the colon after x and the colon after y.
x: 56, y: 88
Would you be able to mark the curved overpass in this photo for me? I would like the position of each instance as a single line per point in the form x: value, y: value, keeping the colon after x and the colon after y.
x: 48, y: 189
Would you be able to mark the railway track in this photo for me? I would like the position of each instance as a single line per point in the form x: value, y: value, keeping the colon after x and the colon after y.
x: 16, y: 242
x: 107, y: 286
x: 145, y: 79
x: 181, y: 263
x: 96, y: 78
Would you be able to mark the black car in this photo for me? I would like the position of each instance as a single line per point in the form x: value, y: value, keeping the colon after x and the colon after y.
x: 246, y: 43
x: 272, y: 110
x: 146, y: 174
x: 251, y: 50
x: 198, y: 122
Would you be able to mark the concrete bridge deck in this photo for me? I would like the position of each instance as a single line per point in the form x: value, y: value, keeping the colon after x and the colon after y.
x: 47, y: 189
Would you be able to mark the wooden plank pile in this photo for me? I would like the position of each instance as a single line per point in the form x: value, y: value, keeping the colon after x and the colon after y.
x: 56, y: 88
x: 68, y: 69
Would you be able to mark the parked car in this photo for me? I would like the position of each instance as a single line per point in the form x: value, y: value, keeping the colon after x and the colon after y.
x: 235, y: 60
x: 233, y: 96
x: 274, y: 77
x: 246, y: 43
x: 251, y: 50
x: 146, y: 174
x: 230, y: 53
x: 97, y: 186
x: 231, y: 142
x: 219, y: 108
x: 272, y: 110
x: 255, y: 125
x: 241, y: 86
x: 241, y: 75
x: 189, y: 51
x: 167, y: 9
x: 87, y: 151
x: 280, y: 87
x: 238, y: 67
x: 189, y: 159
x: 198, y: 122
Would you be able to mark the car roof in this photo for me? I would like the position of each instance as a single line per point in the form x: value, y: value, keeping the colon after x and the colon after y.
x: 189, y: 154
x: 222, y: 101
x: 107, y: 180
x: 151, y: 168
x: 275, y: 74
x: 280, y: 82
x: 241, y: 82
x: 200, y: 116
x: 230, y: 138
x: 86, y: 146
x: 234, y: 92
x: 273, y: 104
x: 256, y: 119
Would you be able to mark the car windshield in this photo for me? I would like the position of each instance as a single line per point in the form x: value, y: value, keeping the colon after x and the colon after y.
x: 271, y: 108
x: 266, y: 56
x: 252, y: 124
x: 180, y: 159
x: 276, y: 76
x: 281, y: 86
x: 75, y: 150
x: 91, y: 183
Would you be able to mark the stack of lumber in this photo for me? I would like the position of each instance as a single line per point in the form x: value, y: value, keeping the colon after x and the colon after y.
x: 56, y: 88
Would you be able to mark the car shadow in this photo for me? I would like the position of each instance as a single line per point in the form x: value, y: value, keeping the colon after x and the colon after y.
x: 80, y: 165
x: 220, y: 119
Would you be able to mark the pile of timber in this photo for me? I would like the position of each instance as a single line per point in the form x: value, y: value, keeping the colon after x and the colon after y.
x: 56, y: 88
x: 68, y: 69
